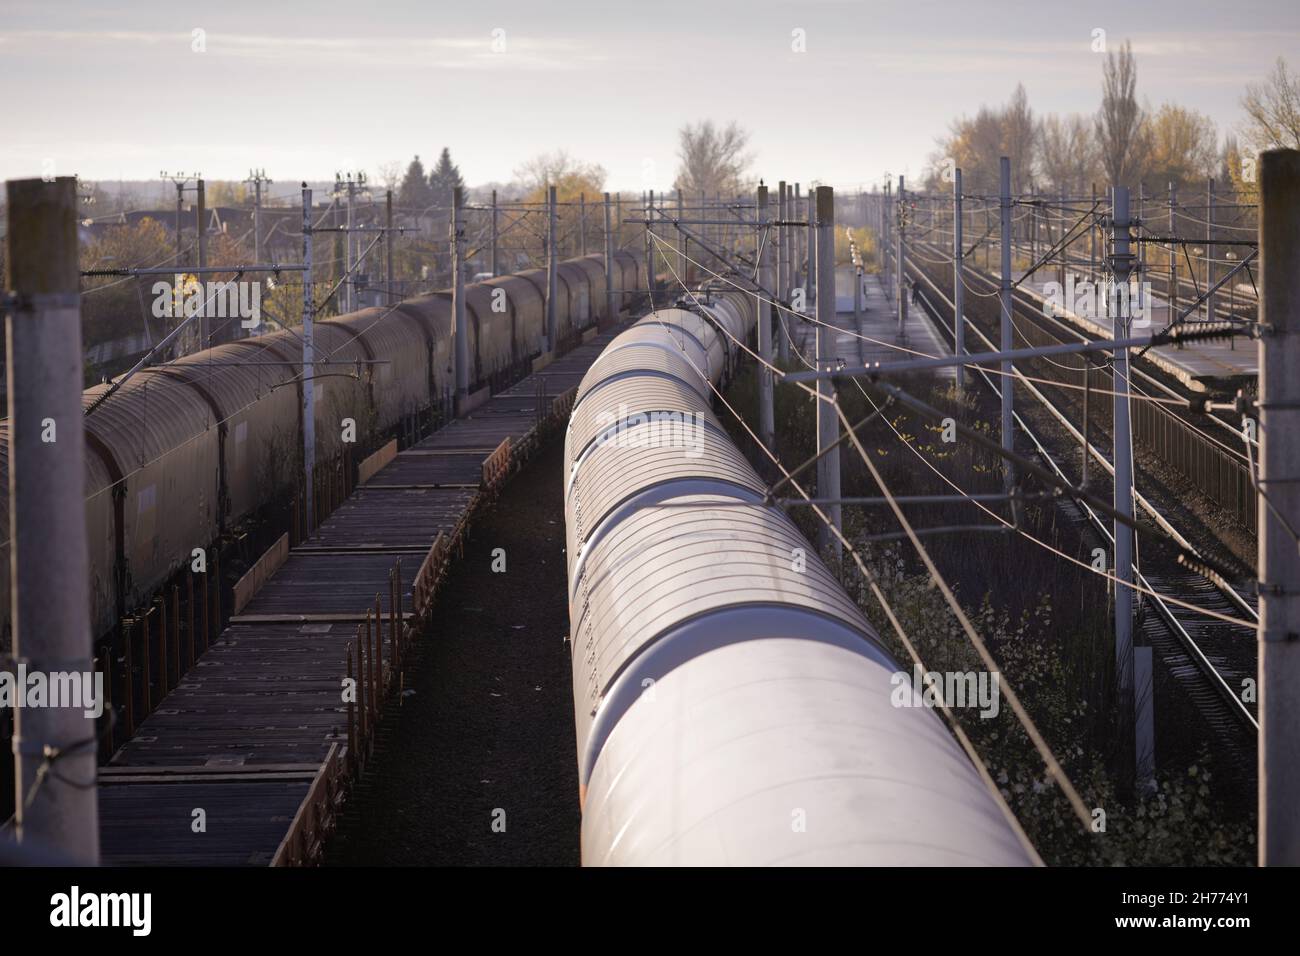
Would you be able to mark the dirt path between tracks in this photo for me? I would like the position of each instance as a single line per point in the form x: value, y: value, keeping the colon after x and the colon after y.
x: 480, y: 768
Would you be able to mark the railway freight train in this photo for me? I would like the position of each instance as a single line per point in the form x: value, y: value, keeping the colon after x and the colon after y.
x: 184, y: 451
x: 732, y: 704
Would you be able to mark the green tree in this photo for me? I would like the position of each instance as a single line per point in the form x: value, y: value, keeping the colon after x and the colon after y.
x: 415, y: 189
x: 444, y: 178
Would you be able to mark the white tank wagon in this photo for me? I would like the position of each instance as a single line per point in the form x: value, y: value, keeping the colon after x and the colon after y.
x: 732, y: 704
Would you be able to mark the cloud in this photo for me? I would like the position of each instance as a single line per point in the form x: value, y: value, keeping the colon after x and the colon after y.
x: 451, y: 53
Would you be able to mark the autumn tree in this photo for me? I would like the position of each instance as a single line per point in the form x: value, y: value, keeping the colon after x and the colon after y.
x: 712, y: 159
x: 566, y: 173
x: 114, y: 307
x: 973, y: 144
x: 1183, y: 147
x: 223, y: 192
x: 977, y: 144
x: 573, y: 179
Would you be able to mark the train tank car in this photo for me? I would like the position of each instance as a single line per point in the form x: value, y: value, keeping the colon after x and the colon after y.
x: 732, y: 705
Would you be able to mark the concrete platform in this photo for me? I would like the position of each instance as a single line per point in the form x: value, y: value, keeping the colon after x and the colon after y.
x: 1197, y: 364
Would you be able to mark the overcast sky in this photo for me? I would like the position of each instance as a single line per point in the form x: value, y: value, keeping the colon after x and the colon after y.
x: 109, y: 89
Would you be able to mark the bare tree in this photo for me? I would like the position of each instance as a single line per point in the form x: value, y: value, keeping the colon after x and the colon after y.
x: 1273, y: 110
x: 713, y: 160
x: 390, y: 175
x: 1120, y: 121
x: 1067, y: 153
x: 556, y: 169
x: 1019, y: 138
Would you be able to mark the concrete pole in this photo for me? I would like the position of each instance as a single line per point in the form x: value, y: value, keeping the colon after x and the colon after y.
x: 1004, y: 298
x: 766, y: 421
x: 886, y: 236
x: 902, y: 261
x: 308, y: 360
x: 958, y: 286
x: 781, y: 259
x: 681, y: 242
x: 582, y: 223
x: 181, y: 257
x: 552, y: 274
x: 496, y: 262
x: 782, y: 289
x: 48, y: 565
x: 611, y: 295
x: 1209, y: 249
x: 460, y: 335
x: 1092, y: 241
x: 800, y: 236
x: 1172, y: 297
x: 1140, y: 223
x: 1279, y: 466
x: 349, y: 285
x: 828, y: 465
x: 257, y: 218
x: 1121, y: 264
x: 813, y: 277
x: 649, y: 203
x: 200, y: 219
x: 389, y: 237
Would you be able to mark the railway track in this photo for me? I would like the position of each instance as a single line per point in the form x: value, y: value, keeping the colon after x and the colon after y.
x: 1207, y: 658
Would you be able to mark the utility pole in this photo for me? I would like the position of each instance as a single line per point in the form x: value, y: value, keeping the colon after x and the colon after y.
x: 461, y: 333
x: 181, y: 258
x: 902, y: 262
x: 800, y: 236
x: 1004, y: 298
x: 887, y: 214
x: 308, y: 361
x: 681, y: 240
x: 1279, y: 506
x: 649, y: 202
x: 552, y: 276
x: 582, y: 222
x: 496, y: 265
x: 782, y: 290
x: 388, y: 245
x: 782, y: 253
x: 958, y: 285
x: 1171, y: 299
x: 766, y: 421
x: 1092, y: 237
x: 1209, y: 249
x: 54, y: 746
x: 1121, y: 264
x: 611, y: 296
x: 200, y: 220
x: 828, y: 464
x: 257, y: 177
x: 349, y: 254
x: 813, y: 280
